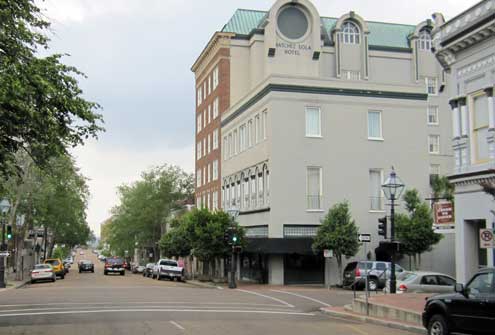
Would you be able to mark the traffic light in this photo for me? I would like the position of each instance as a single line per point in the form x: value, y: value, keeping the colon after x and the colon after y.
x: 9, y: 232
x: 382, y: 227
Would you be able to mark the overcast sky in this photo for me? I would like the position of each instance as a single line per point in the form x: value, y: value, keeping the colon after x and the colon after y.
x: 137, y: 55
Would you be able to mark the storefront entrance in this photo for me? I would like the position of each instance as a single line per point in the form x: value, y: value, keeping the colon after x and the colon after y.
x: 304, y: 269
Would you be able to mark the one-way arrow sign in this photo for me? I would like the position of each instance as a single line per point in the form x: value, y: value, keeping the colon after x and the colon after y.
x: 364, y: 238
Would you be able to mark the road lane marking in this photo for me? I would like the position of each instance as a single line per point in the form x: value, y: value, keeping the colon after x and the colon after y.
x: 149, y: 310
x: 357, y: 330
x: 139, y: 303
x: 267, y: 296
x: 177, y: 325
x: 304, y: 297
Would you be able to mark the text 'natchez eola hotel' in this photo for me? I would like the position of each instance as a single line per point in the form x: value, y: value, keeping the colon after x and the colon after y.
x: 297, y: 111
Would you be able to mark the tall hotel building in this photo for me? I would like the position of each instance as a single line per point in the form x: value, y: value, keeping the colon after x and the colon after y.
x: 313, y: 111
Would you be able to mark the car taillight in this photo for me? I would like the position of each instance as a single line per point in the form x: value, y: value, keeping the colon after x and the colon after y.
x: 358, y: 273
x: 107, y: 265
x: 125, y: 264
x: 402, y: 288
x: 34, y: 272
x: 49, y: 271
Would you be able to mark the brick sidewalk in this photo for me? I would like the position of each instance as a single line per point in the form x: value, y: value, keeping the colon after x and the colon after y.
x: 409, y: 301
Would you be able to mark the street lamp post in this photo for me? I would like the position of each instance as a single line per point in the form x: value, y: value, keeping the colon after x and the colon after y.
x: 4, y: 208
x: 233, y: 212
x: 393, y: 188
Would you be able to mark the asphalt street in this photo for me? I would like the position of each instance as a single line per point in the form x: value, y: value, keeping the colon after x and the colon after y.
x: 91, y: 303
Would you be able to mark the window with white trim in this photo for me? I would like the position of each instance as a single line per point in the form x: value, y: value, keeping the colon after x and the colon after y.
x: 242, y: 138
x: 375, y: 125
x: 263, y: 126
x: 209, y: 113
x: 198, y: 150
x: 434, y: 144
x: 480, y: 128
x: 204, y: 147
x: 250, y: 133
x: 198, y: 202
x: 350, y: 33
x: 204, y: 90
x: 231, y: 146
x: 215, y: 200
x: 425, y: 40
x: 215, y: 169
x: 225, y: 148
x: 351, y: 75
x: 215, y: 108
x: 215, y: 139
x: 210, y: 172
x: 261, y: 189
x: 200, y: 95
x: 209, y: 84
x: 314, y: 188
x: 204, y: 175
x: 433, y: 115
x: 253, y: 191
x: 208, y: 200
x: 245, y: 190
x: 198, y: 178
x: 203, y: 201
x: 215, y: 77
x: 256, y: 129
x: 236, y: 143
x: 198, y: 126
x: 375, y: 189
x: 313, y: 122
x: 431, y: 85
x: 435, y: 169
x: 208, y: 144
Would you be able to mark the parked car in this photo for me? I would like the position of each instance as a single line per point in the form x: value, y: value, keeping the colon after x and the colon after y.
x: 114, y: 264
x: 168, y: 268
x: 86, y: 265
x: 66, y: 267
x: 42, y: 272
x: 469, y: 309
x: 139, y: 269
x: 378, y: 273
x: 101, y: 258
x: 57, y: 265
x: 148, y: 270
x: 423, y: 282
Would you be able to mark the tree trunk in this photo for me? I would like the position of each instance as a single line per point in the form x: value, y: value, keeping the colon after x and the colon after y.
x: 415, y: 262
x: 419, y: 261
x: 19, y: 273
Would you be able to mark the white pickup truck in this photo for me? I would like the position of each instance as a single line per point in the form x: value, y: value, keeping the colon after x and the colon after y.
x: 168, y: 268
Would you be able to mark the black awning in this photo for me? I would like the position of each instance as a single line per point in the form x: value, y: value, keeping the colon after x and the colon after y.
x: 280, y: 246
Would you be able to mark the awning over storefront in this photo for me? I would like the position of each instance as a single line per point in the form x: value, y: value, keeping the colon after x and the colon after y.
x: 300, y: 246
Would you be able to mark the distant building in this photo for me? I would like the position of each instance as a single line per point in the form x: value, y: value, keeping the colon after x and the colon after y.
x: 316, y: 111
x: 465, y: 46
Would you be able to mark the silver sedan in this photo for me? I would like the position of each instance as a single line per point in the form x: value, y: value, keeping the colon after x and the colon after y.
x: 42, y: 272
x: 423, y: 282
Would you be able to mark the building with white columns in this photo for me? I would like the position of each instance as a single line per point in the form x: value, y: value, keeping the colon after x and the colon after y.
x: 465, y: 46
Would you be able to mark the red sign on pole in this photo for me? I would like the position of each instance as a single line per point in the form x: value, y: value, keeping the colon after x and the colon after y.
x: 444, y: 213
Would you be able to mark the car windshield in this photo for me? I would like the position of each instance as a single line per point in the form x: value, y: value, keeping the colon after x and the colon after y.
x: 85, y: 262
x: 408, y: 276
x: 52, y: 262
x: 365, y: 265
x: 168, y: 263
x: 42, y: 266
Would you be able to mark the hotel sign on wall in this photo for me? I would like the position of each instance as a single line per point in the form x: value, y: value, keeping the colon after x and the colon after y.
x: 444, y: 213
x: 294, y: 49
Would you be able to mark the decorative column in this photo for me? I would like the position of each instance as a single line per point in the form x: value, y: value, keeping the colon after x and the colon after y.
x: 456, y: 133
x: 464, y: 142
x: 491, y: 123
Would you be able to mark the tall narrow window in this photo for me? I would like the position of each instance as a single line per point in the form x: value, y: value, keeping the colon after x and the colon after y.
x: 261, y: 189
x: 209, y: 84
x: 350, y: 33
x: 215, y: 139
x: 204, y: 147
x: 208, y: 197
x: 208, y: 144
x: 267, y: 187
x: 209, y: 113
x: 480, y: 128
x: 424, y: 40
x: 215, y: 108
x: 225, y: 148
x: 434, y: 144
x: 215, y: 78
x: 264, y: 121
x: 314, y: 188
x: 375, y: 125
x: 198, y: 127
x: 235, y: 142
x: 231, y: 146
x: 246, y: 192
x: 204, y: 175
x: 210, y: 173
x: 215, y: 200
x: 433, y: 115
x: 249, y: 133
x: 198, y: 178
x: 238, y: 191
x: 435, y: 169
x: 258, y: 128
x: 431, y: 85
x: 242, y: 138
x: 376, y: 200
x: 254, y: 191
x: 215, y: 169
x: 313, y: 122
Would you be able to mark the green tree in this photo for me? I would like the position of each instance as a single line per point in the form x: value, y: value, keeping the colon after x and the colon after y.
x: 415, y: 229
x: 442, y: 188
x: 41, y: 105
x: 145, y: 206
x: 338, y: 232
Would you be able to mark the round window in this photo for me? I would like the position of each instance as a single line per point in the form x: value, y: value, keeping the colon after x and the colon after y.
x: 292, y: 23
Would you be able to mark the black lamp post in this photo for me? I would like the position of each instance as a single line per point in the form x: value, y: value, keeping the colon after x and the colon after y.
x: 393, y: 188
x: 233, y: 212
x: 4, y: 208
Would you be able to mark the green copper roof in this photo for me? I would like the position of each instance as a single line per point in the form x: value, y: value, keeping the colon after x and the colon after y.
x: 381, y: 34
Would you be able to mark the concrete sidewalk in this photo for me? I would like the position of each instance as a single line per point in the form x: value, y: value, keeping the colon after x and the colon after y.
x: 399, y: 311
x: 13, y: 284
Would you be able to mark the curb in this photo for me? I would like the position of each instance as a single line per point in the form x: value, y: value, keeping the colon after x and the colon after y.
x: 200, y: 284
x: 380, y: 322
x: 21, y: 285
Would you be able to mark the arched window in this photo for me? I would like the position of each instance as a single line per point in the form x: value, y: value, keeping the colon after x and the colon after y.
x: 254, y: 191
x: 238, y: 190
x: 232, y: 189
x: 350, y: 33
x: 267, y: 187
x: 243, y: 191
x: 261, y: 189
x: 425, y: 40
x: 246, y: 190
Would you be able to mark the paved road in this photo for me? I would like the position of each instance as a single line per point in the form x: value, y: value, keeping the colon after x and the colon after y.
x: 90, y: 303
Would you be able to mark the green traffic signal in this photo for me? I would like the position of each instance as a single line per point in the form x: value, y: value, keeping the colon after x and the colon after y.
x: 234, y: 239
x: 9, y: 232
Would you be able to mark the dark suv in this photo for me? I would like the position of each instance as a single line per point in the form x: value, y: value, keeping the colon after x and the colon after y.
x: 470, y: 309
x: 113, y: 265
x: 378, y: 273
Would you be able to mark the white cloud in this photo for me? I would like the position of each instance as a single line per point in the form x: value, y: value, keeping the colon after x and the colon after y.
x: 108, y: 167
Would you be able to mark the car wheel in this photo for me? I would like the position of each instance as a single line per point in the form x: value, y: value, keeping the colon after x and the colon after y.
x: 33, y: 281
x: 437, y: 325
x: 122, y: 273
x: 105, y: 273
x: 372, y: 284
x: 62, y: 277
x: 53, y: 280
x: 80, y: 271
x: 93, y: 271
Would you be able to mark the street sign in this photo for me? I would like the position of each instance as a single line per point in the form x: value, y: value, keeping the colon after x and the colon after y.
x: 364, y: 238
x: 4, y: 254
x: 487, y: 238
x: 444, y: 213
x: 327, y: 253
